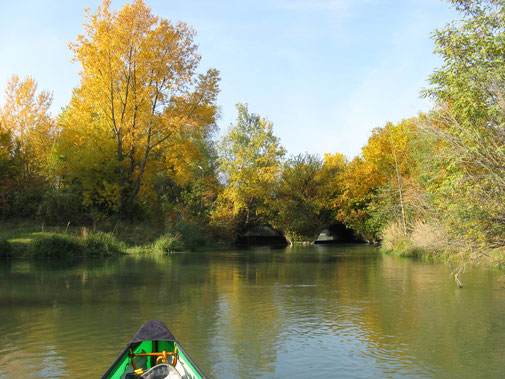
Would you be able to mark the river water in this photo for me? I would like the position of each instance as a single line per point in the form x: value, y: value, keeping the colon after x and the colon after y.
x: 322, y: 311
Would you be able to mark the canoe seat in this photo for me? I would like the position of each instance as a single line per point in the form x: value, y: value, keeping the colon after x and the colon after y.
x: 161, y: 371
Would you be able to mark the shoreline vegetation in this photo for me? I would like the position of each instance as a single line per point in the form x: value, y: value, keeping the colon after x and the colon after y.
x: 431, y: 243
x: 32, y: 239
x: 28, y: 239
x: 134, y: 155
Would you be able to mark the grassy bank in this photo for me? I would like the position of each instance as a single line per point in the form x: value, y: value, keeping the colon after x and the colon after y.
x: 434, y: 243
x: 29, y: 238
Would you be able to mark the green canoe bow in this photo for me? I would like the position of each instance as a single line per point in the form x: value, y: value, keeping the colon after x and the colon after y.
x: 153, y: 346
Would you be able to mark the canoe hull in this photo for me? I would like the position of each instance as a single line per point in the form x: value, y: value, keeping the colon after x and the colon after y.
x: 153, y: 337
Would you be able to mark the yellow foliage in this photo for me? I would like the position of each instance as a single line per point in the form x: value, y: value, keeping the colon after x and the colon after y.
x: 386, y: 160
x: 26, y: 117
x: 251, y: 161
x: 330, y: 180
x: 140, y: 105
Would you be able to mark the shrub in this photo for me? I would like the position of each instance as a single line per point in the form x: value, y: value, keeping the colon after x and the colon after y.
x: 192, y: 234
x: 56, y: 246
x: 60, y: 207
x: 5, y: 249
x: 102, y: 244
x: 427, y: 239
x: 395, y: 241
x: 26, y: 203
x: 430, y: 237
x: 168, y: 243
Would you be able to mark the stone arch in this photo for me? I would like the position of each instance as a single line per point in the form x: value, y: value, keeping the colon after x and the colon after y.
x: 337, y: 233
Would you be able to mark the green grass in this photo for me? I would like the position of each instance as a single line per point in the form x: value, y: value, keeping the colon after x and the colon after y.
x: 102, y: 245
x: 66, y: 246
x: 31, y: 238
x: 168, y: 244
x: 55, y: 246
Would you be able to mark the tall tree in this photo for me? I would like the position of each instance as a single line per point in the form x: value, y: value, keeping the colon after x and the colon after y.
x: 141, y: 102
x: 296, y: 208
x: 375, y: 185
x: 26, y: 118
x: 467, y: 169
x: 472, y: 49
x: 251, y: 159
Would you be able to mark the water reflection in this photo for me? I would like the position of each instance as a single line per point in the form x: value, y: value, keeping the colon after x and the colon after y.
x: 307, y: 311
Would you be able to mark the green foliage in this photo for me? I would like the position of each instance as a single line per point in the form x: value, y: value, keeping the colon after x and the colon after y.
x: 62, y: 206
x: 191, y: 233
x: 168, y: 243
x: 473, y: 70
x: 64, y: 245
x: 251, y: 159
x: 5, y: 249
x: 25, y: 202
x: 465, y: 169
x: 55, y: 246
x: 295, y: 208
x: 102, y: 244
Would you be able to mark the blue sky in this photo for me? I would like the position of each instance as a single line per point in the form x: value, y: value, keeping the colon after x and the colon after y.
x: 325, y: 72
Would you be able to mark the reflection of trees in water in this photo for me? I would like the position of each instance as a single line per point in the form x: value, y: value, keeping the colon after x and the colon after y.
x: 239, y: 311
x: 248, y: 318
x: 413, y: 313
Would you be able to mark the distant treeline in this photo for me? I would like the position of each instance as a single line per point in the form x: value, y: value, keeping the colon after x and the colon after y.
x: 136, y: 142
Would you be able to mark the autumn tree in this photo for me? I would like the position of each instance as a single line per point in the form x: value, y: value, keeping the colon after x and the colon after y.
x: 296, y: 210
x: 26, y: 118
x: 140, y: 104
x: 7, y: 171
x: 330, y: 184
x: 378, y: 186
x: 251, y: 160
x: 190, y: 201
x: 473, y: 70
x: 27, y: 134
x: 467, y: 168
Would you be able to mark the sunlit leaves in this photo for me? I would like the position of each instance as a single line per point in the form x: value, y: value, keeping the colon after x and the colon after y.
x: 251, y: 160
x: 474, y: 67
x: 375, y: 184
x: 141, y: 103
x: 296, y: 208
x: 26, y: 119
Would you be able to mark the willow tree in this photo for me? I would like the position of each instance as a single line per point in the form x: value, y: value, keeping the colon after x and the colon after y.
x: 467, y: 170
x: 140, y: 103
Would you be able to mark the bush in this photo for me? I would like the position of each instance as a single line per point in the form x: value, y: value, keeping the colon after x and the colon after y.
x: 192, y: 234
x: 168, y: 244
x: 61, y: 245
x: 56, y: 246
x: 395, y: 241
x: 424, y: 239
x: 102, y: 244
x: 25, y: 203
x: 5, y: 249
x: 60, y: 207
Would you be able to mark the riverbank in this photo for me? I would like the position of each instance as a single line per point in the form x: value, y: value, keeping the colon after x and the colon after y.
x: 31, y: 238
x: 433, y: 243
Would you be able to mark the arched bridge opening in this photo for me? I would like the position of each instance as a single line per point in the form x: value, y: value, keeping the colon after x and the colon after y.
x: 337, y: 233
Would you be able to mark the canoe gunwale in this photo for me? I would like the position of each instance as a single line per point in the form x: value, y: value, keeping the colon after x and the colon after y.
x: 161, y: 333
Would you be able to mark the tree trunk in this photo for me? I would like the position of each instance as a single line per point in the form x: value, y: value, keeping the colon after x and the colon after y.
x: 399, y: 179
